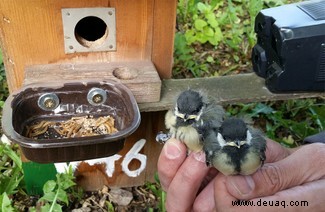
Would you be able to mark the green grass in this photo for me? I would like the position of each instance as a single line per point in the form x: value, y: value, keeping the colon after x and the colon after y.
x: 287, y: 122
x: 215, y: 37
x: 11, y: 175
x: 57, y: 193
x: 3, y: 86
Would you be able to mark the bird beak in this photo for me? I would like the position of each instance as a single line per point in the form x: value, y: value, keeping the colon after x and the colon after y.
x: 178, y: 114
x: 238, y: 144
x: 234, y: 144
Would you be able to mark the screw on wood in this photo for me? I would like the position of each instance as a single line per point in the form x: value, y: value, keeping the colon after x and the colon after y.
x: 96, y: 96
x: 48, y: 101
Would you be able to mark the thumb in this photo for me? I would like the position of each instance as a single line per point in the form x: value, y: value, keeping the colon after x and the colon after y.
x: 304, y: 165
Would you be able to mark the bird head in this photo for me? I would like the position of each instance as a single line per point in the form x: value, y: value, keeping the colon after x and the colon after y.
x: 234, y: 132
x: 189, y: 107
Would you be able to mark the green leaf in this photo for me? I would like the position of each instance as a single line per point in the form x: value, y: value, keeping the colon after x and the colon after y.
x: 181, y: 46
x: 236, y: 58
x: 5, y: 203
x: 201, y: 7
x: 12, y: 154
x: 254, y: 7
x: 201, y: 37
x: 62, y: 196
x: 152, y: 188
x: 199, y: 24
x: 55, y: 192
x: 66, y: 180
x: 110, y: 206
x: 46, y: 207
x: 319, y: 115
x: 49, y: 196
x: 274, y: 3
x: 270, y: 131
x: 299, y: 129
x: 213, y: 40
x: 213, y: 3
x: 212, y: 20
x: 67, y: 184
x: 208, y: 31
x: 9, y: 184
x: 51, y: 208
x: 210, y: 59
x: 49, y: 186
x: 10, y: 169
x: 218, y: 34
x: 288, y: 140
x: 261, y: 109
x: 32, y: 209
x: 190, y: 36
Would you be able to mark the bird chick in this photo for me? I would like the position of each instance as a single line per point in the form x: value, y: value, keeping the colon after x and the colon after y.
x: 191, y: 111
x: 234, y: 148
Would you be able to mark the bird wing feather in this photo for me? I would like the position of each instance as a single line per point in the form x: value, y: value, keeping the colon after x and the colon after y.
x: 258, y: 142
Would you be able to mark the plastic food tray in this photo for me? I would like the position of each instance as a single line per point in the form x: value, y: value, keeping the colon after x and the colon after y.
x: 22, y: 108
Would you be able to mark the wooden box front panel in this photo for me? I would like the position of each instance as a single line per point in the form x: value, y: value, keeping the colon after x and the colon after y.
x: 31, y: 32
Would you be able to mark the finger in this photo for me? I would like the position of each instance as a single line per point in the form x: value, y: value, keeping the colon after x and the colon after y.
x: 304, y: 165
x: 205, y: 200
x: 212, y: 173
x: 306, y: 197
x: 171, y: 158
x: 223, y: 200
x: 186, y: 183
x: 275, y: 151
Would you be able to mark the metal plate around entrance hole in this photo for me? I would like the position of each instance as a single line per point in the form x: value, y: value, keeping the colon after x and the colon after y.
x: 89, y: 29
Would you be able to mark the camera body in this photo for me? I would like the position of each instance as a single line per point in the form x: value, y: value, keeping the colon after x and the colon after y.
x: 290, y: 49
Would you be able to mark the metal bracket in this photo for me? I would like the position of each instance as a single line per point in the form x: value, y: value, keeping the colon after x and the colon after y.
x: 89, y: 29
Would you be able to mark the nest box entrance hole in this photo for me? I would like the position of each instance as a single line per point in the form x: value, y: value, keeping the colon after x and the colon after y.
x: 89, y: 29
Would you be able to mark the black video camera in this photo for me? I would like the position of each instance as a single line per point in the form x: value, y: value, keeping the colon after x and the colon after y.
x: 290, y: 49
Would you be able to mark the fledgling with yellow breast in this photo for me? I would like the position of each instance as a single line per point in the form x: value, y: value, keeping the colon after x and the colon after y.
x: 234, y: 148
x: 191, y: 111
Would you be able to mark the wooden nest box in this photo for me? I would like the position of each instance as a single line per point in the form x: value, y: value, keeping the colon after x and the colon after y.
x: 130, y: 42
x: 72, y: 40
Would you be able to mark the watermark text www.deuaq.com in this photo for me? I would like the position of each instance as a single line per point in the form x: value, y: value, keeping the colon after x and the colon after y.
x: 271, y: 203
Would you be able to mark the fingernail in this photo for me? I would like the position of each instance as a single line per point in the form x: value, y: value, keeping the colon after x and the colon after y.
x: 172, y: 150
x: 199, y: 156
x: 242, y: 184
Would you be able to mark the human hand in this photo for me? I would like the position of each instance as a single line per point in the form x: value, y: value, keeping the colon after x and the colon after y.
x: 193, y: 186
x: 182, y: 177
x: 295, y: 182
